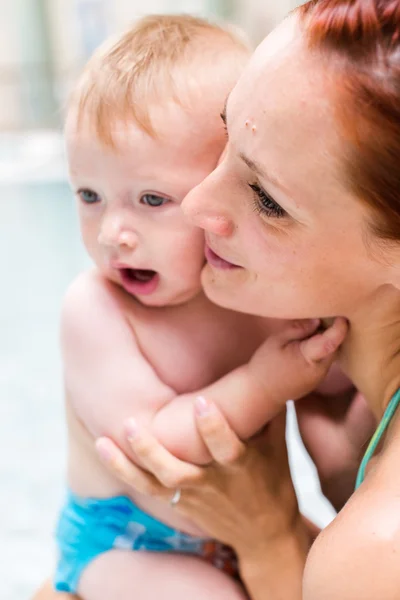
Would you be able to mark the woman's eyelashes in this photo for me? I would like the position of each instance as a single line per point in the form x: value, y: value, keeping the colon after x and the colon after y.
x: 264, y: 204
x: 88, y: 196
x: 223, y: 118
x: 153, y: 200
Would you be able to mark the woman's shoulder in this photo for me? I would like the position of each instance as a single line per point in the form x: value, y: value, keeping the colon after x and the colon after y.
x: 358, y: 554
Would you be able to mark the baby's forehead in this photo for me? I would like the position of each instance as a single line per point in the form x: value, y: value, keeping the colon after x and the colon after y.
x: 170, y: 123
x: 186, y: 97
x: 181, y: 140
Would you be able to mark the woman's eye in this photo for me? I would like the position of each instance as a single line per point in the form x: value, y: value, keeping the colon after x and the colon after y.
x: 154, y: 200
x: 266, y: 205
x: 88, y: 196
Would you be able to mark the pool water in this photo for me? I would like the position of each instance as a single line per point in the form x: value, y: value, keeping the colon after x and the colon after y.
x: 40, y: 253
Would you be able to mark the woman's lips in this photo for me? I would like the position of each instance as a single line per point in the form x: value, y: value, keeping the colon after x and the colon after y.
x: 216, y: 261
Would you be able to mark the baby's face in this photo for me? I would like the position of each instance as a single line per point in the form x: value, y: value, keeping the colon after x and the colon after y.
x: 129, y: 201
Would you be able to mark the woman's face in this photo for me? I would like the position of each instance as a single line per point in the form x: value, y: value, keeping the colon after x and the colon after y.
x: 294, y: 240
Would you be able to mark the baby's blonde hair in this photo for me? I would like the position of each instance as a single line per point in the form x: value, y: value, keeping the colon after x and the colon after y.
x: 150, y: 64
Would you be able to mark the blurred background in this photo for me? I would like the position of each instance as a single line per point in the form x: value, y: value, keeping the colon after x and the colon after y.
x: 43, y: 45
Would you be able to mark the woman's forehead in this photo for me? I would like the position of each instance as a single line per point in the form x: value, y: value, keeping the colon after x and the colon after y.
x: 279, y: 42
x: 282, y: 75
x: 287, y: 98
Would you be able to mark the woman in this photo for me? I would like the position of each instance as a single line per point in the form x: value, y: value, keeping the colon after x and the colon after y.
x: 304, y: 212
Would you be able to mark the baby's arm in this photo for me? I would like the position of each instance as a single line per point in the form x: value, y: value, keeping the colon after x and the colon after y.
x: 107, y: 379
x: 288, y: 365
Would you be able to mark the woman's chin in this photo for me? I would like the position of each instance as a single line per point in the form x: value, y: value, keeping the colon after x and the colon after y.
x: 223, y: 289
x: 216, y: 290
x: 237, y: 290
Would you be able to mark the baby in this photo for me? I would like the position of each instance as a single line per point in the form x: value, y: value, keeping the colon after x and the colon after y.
x: 139, y: 337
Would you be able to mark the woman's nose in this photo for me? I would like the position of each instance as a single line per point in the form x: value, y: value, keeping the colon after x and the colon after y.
x: 205, y: 211
x: 116, y: 233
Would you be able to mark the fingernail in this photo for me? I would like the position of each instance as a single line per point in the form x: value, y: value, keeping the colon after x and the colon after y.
x: 315, y: 323
x: 202, y: 406
x: 103, y: 450
x: 131, y: 429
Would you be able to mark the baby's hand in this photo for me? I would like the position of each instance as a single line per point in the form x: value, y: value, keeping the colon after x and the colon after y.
x: 293, y: 362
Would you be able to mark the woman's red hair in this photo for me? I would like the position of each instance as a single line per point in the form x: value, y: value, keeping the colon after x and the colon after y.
x: 360, y: 39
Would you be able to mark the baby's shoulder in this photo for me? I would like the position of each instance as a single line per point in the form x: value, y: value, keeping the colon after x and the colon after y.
x: 91, y: 287
x: 93, y: 303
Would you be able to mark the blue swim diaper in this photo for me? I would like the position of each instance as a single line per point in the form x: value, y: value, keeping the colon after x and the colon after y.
x: 87, y: 527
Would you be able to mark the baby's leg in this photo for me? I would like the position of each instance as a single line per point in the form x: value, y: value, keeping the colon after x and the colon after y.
x: 132, y: 575
x: 47, y: 592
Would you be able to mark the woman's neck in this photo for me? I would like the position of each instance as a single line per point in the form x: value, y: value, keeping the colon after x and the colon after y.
x: 370, y: 355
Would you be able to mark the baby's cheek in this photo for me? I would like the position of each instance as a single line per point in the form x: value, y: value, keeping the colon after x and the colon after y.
x: 192, y: 266
x: 90, y: 243
x: 89, y: 230
x: 184, y: 254
x: 187, y: 268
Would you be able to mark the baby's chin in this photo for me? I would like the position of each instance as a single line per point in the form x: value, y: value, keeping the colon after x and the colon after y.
x: 167, y: 297
x: 186, y: 296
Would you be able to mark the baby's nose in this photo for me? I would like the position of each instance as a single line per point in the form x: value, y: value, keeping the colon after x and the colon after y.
x: 115, y: 234
x: 127, y: 238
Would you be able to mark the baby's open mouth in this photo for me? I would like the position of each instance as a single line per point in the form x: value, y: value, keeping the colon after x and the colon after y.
x: 140, y: 275
x: 139, y: 281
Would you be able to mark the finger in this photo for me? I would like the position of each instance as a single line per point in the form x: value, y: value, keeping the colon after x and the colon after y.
x: 222, y: 442
x: 323, y: 346
x: 166, y: 468
x: 120, y: 466
x: 298, y: 329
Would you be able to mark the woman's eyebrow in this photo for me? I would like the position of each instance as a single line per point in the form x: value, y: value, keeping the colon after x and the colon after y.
x: 253, y: 166
x: 259, y: 171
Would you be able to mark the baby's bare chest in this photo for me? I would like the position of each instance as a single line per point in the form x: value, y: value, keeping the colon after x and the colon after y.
x: 189, y: 353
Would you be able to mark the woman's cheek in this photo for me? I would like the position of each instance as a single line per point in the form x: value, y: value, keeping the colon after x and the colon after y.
x: 223, y: 155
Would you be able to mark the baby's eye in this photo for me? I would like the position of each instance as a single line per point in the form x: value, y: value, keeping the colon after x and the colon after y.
x: 88, y: 196
x: 154, y: 200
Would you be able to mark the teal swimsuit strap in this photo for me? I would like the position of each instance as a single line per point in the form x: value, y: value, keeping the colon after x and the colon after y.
x: 376, y: 438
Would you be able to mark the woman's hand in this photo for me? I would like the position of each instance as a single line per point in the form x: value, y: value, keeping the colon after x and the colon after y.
x: 245, y: 499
